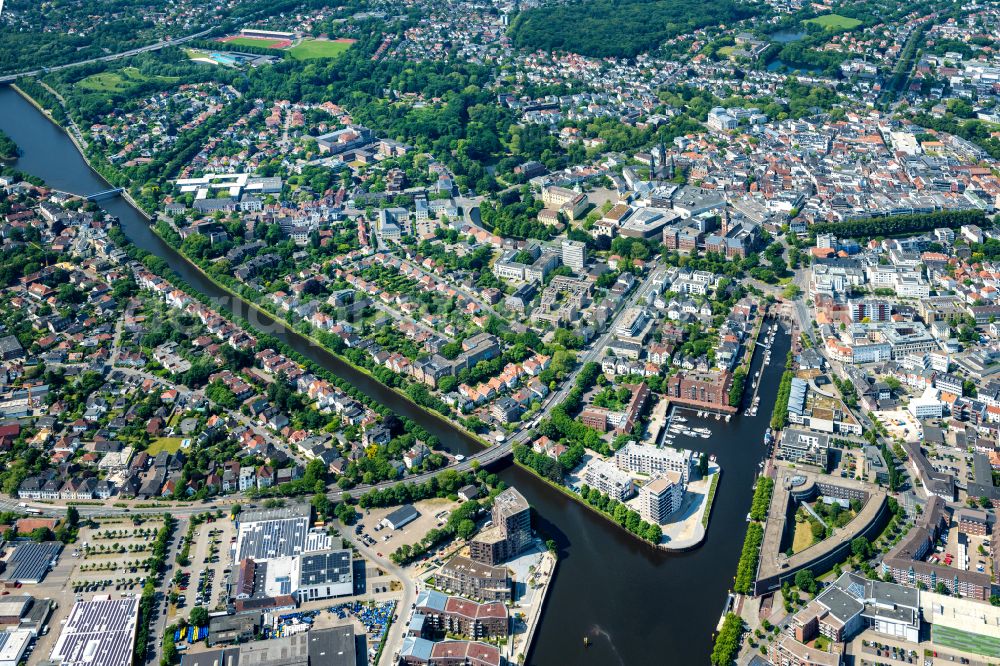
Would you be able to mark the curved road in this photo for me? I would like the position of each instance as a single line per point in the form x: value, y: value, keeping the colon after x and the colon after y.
x: 10, y: 78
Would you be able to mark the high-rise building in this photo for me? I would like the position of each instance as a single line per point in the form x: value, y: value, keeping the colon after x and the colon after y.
x: 574, y: 254
x: 661, y: 497
x: 510, y: 533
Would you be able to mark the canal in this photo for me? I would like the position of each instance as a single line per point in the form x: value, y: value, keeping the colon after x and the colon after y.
x: 638, y: 605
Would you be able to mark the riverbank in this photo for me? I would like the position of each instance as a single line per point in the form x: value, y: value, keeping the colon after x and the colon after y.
x: 620, y: 612
x: 689, y: 528
x: 274, y: 318
x: 520, y: 645
x: 257, y: 309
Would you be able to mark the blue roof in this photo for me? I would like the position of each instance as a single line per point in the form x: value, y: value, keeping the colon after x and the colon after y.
x: 417, y: 647
x: 432, y: 599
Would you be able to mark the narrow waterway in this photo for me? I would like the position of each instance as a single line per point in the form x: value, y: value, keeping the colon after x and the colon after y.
x: 638, y: 605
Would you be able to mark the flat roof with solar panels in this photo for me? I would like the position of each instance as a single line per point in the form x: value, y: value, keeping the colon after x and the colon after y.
x: 273, y: 533
x: 328, y: 574
x: 30, y: 561
x: 99, y: 632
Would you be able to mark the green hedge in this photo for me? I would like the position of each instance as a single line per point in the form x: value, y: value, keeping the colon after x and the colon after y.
x: 761, y: 498
x: 746, y: 570
x: 727, y: 643
x: 901, y: 224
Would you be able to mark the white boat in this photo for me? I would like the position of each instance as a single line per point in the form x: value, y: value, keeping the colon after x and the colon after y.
x: 680, y: 419
x: 705, y: 435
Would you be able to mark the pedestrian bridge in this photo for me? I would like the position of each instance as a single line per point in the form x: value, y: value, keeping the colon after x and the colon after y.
x: 106, y: 194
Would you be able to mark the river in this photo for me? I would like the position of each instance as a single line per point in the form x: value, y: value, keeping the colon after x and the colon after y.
x: 637, y: 604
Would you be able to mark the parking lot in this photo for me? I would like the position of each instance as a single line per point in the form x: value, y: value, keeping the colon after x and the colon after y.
x: 202, y: 582
x: 112, y: 557
x: 384, y: 540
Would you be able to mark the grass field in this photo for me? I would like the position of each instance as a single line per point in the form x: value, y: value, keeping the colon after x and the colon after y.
x: 835, y: 22
x: 119, y: 81
x: 803, y: 537
x: 726, y: 51
x: 318, y: 48
x: 965, y: 641
x: 258, y: 42
x: 168, y: 444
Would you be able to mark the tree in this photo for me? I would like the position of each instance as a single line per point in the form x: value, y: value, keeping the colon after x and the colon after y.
x: 466, y: 528
x: 861, y: 547
x: 805, y: 581
x: 199, y: 616
x: 40, y: 534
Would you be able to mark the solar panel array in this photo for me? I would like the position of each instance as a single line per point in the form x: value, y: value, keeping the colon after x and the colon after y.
x: 267, y: 539
x: 31, y: 561
x: 100, y: 632
x: 321, y: 568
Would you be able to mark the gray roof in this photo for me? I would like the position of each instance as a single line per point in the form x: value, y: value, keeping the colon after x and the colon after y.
x: 418, y: 648
x: 332, y: 647
x: 402, y: 515
x: 31, y: 561
x: 333, y: 566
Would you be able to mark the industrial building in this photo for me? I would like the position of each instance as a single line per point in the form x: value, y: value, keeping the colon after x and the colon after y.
x: 12, y: 646
x: 274, y: 533
x: 30, y: 562
x: 99, y: 632
x: 401, y: 517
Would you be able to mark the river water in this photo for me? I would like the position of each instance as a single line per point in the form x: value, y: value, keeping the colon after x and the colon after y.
x: 638, y: 605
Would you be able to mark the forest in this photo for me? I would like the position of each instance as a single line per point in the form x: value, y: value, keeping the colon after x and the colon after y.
x: 620, y: 28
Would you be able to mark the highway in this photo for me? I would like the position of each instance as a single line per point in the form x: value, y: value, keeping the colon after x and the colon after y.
x: 10, y: 78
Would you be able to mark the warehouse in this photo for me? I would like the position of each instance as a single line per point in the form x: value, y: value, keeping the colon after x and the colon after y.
x: 30, y: 561
x: 12, y: 646
x: 99, y: 632
x: 401, y: 517
x: 274, y: 533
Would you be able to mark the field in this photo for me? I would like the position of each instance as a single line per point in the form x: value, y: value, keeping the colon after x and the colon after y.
x: 258, y: 42
x: 319, y: 48
x: 835, y: 22
x: 168, y: 444
x: 120, y: 81
x: 803, y: 537
x: 963, y: 640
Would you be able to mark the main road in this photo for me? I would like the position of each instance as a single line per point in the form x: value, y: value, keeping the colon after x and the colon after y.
x: 10, y: 78
x: 482, y: 458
